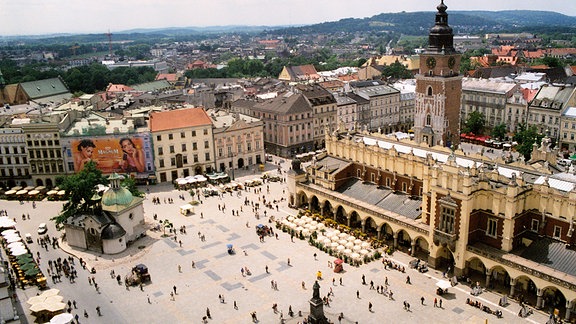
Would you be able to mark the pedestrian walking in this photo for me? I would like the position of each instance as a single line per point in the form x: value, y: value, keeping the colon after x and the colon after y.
x: 408, y: 280
x: 440, y: 302
x: 341, y: 281
x: 289, y: 262
x: 235, y: 306
x: 370, y: 307
x: 172, y: 296
x: 267, y: 269
x: 303, y: 285
x: 315, y: 255
x: 208, y: 313
x: 363, y: 279
x: 98, y: 311
x: 386, y: 281
x: 435, y: 302
x: 180, y: 268
x: 422, y: 300
x: 358, y: 294
x: 148, y: 297
x: 74, y: 303
x: 174, y: 288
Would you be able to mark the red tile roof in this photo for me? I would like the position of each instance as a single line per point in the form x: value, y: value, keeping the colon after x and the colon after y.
x: 118, y: 88
x: 179, y: 118
x: 170, y: 77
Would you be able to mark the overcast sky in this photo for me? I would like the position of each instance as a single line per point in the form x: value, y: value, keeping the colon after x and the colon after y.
x: 32, y: 17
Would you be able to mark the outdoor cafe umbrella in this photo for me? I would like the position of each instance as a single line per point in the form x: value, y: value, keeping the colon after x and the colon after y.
x: 63, y: 318
x: 338, y: 261
x: 9, y: 231
x: 260, y: 225
x: 15, y: 245
x: 32, y: 272
x: 22, y: 262
x: 27, y: 256
x: 229, y: 246
x: 27, y: 266
x: 6, y: 222
x: 19, y: 252
x: 12, y: 239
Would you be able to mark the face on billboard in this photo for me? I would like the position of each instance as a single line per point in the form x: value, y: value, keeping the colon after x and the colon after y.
x: 124, y: 155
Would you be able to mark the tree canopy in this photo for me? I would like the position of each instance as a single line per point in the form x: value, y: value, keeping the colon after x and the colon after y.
x: 526, y: 137
x: 475, y: 123
x: 499, y: 131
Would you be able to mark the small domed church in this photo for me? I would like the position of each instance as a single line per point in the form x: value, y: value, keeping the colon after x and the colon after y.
x: 113, y: 221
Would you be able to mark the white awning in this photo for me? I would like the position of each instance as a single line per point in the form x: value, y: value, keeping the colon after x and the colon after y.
x: 186, y: 207
x: 443, y: 284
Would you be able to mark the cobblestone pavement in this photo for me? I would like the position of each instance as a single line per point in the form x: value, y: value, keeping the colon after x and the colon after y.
x: 218, y: 273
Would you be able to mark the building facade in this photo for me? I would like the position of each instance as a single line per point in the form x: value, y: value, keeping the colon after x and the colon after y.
x: 546, y: 109
x: 182, y: 143
x: 238, y: 141
x: 14, y: 166
x: 325, y: 111
x: 288, y: 122
x: 488, y: 98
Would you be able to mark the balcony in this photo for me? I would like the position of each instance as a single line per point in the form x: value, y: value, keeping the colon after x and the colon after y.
x: 443, y: 238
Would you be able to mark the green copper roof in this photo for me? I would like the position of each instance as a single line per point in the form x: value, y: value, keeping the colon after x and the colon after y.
x: 117, y: 196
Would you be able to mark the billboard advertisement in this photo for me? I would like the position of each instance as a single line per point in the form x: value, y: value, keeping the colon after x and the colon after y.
x: 121, y: 154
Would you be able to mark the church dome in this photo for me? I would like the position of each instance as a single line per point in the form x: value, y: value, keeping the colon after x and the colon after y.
x: 118, y: 196
x: 112, y: 231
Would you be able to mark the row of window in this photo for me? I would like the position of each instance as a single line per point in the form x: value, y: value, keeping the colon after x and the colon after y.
x: 16, y: 159
x: 183, y: 147
x: 15, y: 150
x: 181, y: 159
x: 182, y: 135
x: 43, y: 143
x: 11, y: 173
x: 39, y: 168
x: 45, y: 154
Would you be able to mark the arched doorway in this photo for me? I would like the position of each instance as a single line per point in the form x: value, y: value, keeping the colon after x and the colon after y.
x: 303, y: 202
x: 499, y: 280
x: 525, y: 290
x: 341, y: 216
x: 240, y: 163
x: 370, y: 227
x: 49, y: 183
x: 404, y: 241
x: 444, y: 259
x: 553, y: 299
x: 327, y: 210
x: 476, y: 271
x: 11, y: 183
x: 387, y: 233
x: 421, y: 248
x: 39, y: 182
x: 355, y: 221
x: 198, y: 170
x: 314, y: 205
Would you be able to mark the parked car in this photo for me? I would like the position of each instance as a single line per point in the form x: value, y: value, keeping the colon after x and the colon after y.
x: 42, y: 229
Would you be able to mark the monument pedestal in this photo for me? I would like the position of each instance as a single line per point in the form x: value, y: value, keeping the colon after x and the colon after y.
x: 317, y: 307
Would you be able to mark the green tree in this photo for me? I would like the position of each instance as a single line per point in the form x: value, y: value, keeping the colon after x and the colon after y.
x: 130, y: 184
x: 396, y: 70
x: 526, y: 137
x: 499, y: 131
x: 475, y: 123
x: 80, y: 188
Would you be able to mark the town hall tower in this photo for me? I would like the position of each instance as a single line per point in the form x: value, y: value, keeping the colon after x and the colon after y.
x: 439, y: 87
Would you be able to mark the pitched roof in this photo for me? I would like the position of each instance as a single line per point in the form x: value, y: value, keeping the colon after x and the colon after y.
x: 44, y: 88
x: 288, y: 103
x: 118, y: 88
x: 302, y: 72
x: 179, y: 118
x: 171, y: 77
x: 153, y: 86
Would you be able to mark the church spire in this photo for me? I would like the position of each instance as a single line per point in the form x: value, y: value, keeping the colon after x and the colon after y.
x: 441, y: 38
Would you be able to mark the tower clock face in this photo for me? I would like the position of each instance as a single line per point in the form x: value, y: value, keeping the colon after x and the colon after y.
x: 430, y: 62
x: 451, y: 62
